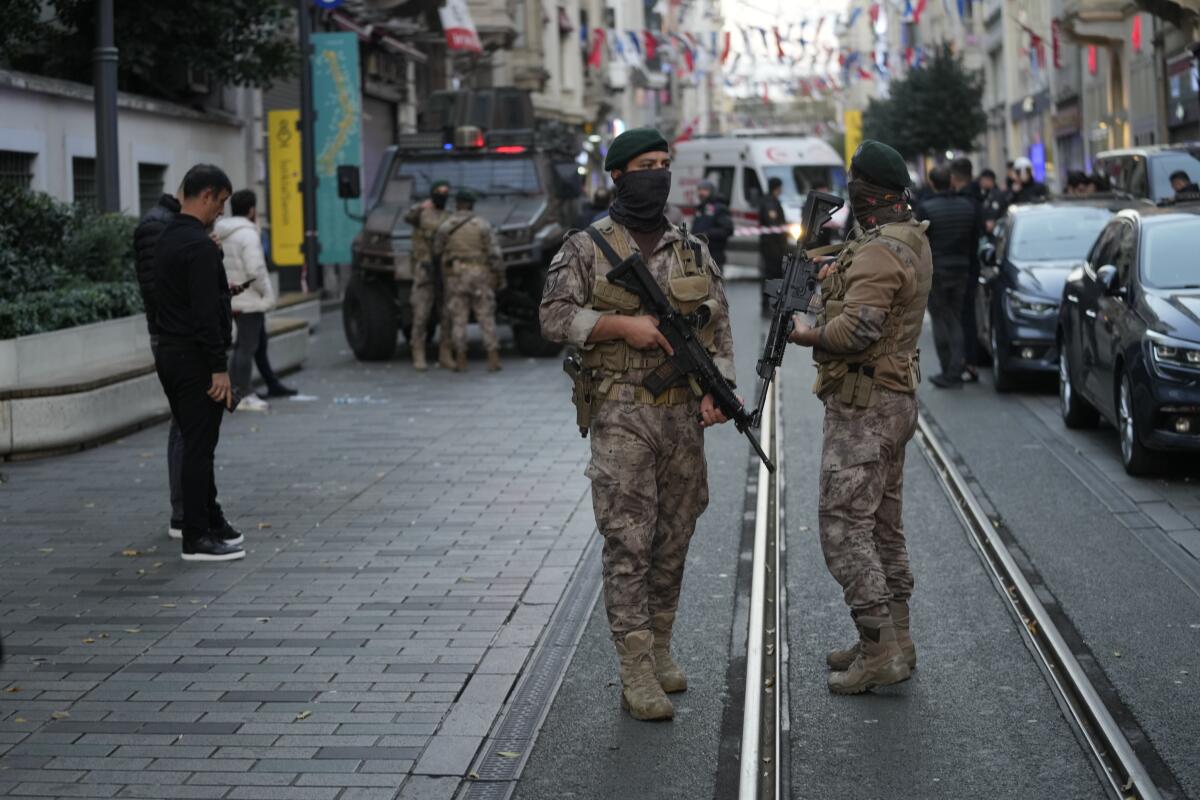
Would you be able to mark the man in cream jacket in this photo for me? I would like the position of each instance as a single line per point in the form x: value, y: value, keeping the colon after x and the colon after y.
x: 246, y: 265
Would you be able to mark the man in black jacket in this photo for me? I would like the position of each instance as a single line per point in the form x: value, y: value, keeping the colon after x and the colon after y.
x: 713, y: 220
x: 952, y: 227
x: 961, y: 171
x: 145, y: 239
x: 773, y: 244
x: 191, y: 295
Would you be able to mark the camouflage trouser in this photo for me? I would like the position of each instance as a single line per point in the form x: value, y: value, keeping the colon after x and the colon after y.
x: 649, y: 486
x: 469, y: 288
x: 862, y: 478
x: 421, y: 299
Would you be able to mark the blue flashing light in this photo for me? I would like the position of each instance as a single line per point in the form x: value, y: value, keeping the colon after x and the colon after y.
x: 447, y: 146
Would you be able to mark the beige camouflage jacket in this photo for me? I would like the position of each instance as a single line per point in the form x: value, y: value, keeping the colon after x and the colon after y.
x: 568, y: 290
x: 473, y: 241
x: 425, y: 222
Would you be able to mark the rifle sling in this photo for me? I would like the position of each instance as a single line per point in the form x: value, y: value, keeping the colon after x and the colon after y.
x: 827, y: 250
x: 605, y: 247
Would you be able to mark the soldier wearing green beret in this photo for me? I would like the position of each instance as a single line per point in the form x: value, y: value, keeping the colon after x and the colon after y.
x: 425, y: 217
x: 865, y: 346
x: 468, y: 249
x: 649, y: 477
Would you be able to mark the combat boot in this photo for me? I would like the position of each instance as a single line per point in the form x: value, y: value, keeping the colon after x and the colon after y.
x: 641, y: 695
x: 419, y: 363
x: 879, y: 661
x: 670, y: 675
x: 840, y: 660
x: 445, y: 357
x: 494, y: 361
x: 460, y: 363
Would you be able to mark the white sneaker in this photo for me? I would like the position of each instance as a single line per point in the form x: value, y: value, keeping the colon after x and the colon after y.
x: 252, y: 403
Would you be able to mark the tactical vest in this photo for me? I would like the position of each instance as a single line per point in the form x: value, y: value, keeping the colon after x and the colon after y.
x: 854, y: 373
x: 423, y: 233
x: 468, y: 243
x: 601, y: 370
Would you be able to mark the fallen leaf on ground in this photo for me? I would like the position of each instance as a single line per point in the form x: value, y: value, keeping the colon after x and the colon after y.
x: 45, y: 549
x: 473, y: 775
x: 263, y: 525
x: 13, y: 689
x: 104, y: 636
x: 60, y: 714
x: 19, y: 720
x: 133, y: 630
x: 131, y: 553
x: 508, y: 754
x: 263, y: 619
x: 303, y: 715
x: 89, y: 640
x: 168, y: 605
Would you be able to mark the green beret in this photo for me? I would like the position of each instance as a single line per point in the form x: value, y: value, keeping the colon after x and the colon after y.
x: 880, y: 164
x: 631, y: 144
x: 466, y: 196
x: 438, y: 185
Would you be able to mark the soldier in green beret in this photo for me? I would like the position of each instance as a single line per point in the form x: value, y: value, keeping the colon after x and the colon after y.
x: 472, y: 262
x: 649, y: 477
x: 865, y: 346
x: 425, y: 217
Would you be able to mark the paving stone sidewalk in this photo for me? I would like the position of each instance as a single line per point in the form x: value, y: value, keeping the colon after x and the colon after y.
x: 408, y: 537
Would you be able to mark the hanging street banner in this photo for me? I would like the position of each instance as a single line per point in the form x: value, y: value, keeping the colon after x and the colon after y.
x: 337, y: 100
x: 459, y: 27
x: 853, y: 126
x: 283, y: 182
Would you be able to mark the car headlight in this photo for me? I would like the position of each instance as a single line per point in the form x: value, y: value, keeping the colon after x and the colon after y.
x: 1173, y: 353
x: 1028, y: 306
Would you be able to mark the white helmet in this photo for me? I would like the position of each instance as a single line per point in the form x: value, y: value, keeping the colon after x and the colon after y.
x: 1021, y: 164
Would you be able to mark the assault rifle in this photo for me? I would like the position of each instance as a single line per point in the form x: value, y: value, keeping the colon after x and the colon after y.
x: 792, y: 294
x: 690, y: 360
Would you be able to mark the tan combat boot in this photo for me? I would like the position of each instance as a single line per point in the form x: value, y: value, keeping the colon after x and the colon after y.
x: 419, y: 363
x: 879, y: 662
x: 445, y: 357
x: 641, y: 695
x: 460, y: 362
x: 494, y: 361
x: 670, y: 675
x: 840, y: 660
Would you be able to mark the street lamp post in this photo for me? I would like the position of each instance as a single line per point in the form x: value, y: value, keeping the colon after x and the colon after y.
x: 308, y: 167
x: 104, y: 59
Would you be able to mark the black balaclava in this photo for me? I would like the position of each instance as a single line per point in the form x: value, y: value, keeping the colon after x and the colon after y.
x: 641, y: 199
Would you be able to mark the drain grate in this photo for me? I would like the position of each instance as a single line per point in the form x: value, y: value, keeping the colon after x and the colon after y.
x: 529, y: 704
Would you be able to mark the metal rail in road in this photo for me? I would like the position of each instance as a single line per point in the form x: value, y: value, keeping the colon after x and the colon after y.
x: 1116, y: 759
x: 764, y: 723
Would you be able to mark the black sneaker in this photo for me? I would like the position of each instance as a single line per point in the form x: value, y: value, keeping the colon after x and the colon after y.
x: 226, y: 533
x: 209, y: 548
x: 946, y: 382
x: 279, y: 391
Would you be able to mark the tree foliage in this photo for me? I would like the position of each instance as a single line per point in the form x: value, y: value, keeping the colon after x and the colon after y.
x: 932, y: 109
x: 160, y: 45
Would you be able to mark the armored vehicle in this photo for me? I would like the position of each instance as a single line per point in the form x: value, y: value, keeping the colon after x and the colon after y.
x: 527, y: 180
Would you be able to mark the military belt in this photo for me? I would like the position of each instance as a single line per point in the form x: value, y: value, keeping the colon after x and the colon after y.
x: 675, y: 396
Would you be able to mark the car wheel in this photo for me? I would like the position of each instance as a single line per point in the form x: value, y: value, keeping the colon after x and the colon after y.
x: 1136, y: 458
x: 1076, y: 412
x: 369, y: 320
x: 1002, y: 378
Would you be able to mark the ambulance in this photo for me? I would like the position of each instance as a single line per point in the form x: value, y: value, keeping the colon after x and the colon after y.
x: 740, y: 167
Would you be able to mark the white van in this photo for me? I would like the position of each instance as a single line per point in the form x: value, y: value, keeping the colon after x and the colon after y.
x: 740, y: 166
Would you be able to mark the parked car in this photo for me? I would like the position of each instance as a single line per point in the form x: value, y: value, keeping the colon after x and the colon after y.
x: 1146, y: 171
x: 1021, y: 280
x: 1129, y: 334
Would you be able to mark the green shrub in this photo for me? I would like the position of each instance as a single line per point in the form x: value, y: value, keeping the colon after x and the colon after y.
x: 38, y: 312
x: 33, y: 227
x: 99, y: 247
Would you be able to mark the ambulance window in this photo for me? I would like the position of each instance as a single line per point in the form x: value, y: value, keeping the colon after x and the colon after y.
x: 751, y: 188
x: 722, y: 178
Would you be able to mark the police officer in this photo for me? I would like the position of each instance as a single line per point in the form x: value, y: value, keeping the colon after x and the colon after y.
x: 713, y: 220
x: 468, y: 249
x: 772, y: 242
x: 649, y: 477
x: 425, y: 217
x: 865, y: 346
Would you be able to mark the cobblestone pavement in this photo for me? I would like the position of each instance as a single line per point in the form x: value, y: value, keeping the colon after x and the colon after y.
x: 408, y: 537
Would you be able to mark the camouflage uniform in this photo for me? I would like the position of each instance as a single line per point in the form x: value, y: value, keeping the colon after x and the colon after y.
x: 867, y: 355
x: 472, y: 264
x: 425, y: 222
x: 648, y: 472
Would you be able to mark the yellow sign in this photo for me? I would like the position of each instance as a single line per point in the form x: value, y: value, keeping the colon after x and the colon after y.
x: 283, y: 174
x: 853, y: 124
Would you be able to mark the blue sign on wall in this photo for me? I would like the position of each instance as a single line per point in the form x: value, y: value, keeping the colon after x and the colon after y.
x: 337, y: 98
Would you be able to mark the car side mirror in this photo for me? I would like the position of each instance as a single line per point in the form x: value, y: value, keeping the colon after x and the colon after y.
x: 349, y: 182
x: 1106, y: 276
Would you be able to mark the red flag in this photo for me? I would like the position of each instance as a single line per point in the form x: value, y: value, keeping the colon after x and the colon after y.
x: 873, y: 11
x: 725, y: 49
x: 596, y: 56
x: 864, y: 74
x: 778, y: 43
x: 651, y: 44
x: 1137, y: 33
x: 1092, y: 67
x: 1056, y: 44
x: 918, y: 11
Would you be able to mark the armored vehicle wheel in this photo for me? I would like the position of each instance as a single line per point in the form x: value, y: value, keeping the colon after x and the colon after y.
x: 369, y: 319
x: 530, y: 342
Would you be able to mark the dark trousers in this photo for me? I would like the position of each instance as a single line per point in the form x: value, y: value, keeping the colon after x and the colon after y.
x: 251, y: 348
x: 773, y: 248
x: 946, y: 308
x: 174, y: 459
x: 970, y: 331
x: 185, y: 377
